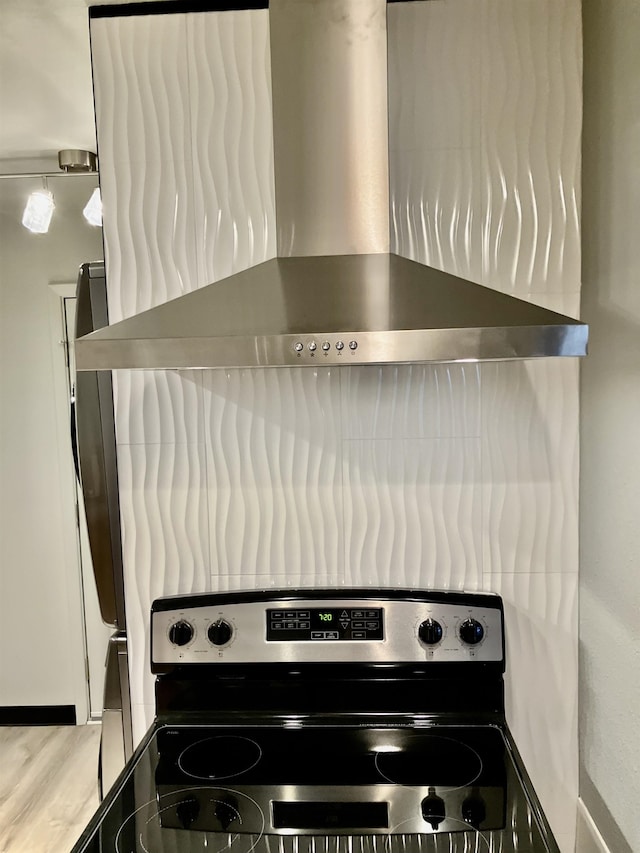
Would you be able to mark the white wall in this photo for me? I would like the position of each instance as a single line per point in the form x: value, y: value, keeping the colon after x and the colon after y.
x: 439, y: 476
x: 610, y: 426
x: 41, y: 646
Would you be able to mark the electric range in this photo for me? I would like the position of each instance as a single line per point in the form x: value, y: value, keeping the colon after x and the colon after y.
x: 325, y: 721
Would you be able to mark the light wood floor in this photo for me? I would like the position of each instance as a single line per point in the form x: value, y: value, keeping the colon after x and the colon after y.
x: 48, y: 786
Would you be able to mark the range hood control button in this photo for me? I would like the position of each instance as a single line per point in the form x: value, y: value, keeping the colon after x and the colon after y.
x: 339, y: 345
x: 312, y: 346
x: 326, y: 346
x: 181, y: 633
x: 298, y: 347
x: 353, y: 344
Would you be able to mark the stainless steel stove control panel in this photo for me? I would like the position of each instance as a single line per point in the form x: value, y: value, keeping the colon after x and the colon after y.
x: 330, y: 630
x: 332, y: 810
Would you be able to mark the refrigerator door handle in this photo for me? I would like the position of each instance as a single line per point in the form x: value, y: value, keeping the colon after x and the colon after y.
x: 74, y: 433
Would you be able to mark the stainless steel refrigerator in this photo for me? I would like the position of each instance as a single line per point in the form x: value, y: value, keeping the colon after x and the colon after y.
x: 94, y: 440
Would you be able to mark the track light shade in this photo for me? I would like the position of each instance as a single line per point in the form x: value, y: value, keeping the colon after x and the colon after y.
x: 93, y: 208
x: 38, y: 212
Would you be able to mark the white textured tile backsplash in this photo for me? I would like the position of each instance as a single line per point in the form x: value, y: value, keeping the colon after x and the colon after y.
x: 274, y: 467
x: 412, y: 512
x: 410, y: 401
x: 436, y: 208
x: 436, y: 134
x: 532, y: 117
x: 165, y: 532
x: 435, y: 476
x: 530, y: 466
x: 231, y: 143
x: 159, y: 407
x: 541, y: 613
x: 147, y: 188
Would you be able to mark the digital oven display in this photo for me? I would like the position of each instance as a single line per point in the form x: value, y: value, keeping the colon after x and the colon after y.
x: 326, y: 623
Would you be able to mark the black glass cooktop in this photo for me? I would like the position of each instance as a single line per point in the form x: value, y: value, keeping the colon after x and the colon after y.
x: 298, y: 788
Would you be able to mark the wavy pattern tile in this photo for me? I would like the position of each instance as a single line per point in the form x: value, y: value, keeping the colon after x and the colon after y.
x: 532, y: 116
x: 435, y: 209
x: 412, y: 513
x: 159, y: 407
x: 274, y: 472
x: 435, y: 134
x: 541, y: 612
x: 292, y: 580
x: 192, y: 194
x: 411, y: 401
x: 165, y: 538
x: 144, y: 134
x: 530, y: 466
x: 485, y: 120
x: 232, y: 141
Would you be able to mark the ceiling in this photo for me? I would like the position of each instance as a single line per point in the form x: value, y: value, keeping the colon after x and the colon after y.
x: 46, y: 99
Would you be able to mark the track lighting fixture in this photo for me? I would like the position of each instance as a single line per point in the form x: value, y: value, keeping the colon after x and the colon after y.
x: 39, y: 210
x: 40, y: 204
x: 93, y: 209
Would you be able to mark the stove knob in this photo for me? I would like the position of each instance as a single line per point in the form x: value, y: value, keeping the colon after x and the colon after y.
x: 219, y: 632
x: 474, y: 810
x: 181, y: 633
x: 187, y: 812
x: 227, y: 811
x: 471, y: 632
x: 433, y: 810
x: 430, y: 632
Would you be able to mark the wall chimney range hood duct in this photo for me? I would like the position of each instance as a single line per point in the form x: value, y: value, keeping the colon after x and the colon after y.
x: 334, y: 294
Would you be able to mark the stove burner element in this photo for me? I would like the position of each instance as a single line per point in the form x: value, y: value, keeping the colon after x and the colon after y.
x: 431, y: 760
x: 221, y: 757
x: 215, y: 818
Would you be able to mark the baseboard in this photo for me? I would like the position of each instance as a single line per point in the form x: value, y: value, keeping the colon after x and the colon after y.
x: 38, y: 715
x: 588, y: 838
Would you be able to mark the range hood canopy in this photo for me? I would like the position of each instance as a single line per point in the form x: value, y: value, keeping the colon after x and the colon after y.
x: 349, y: 309
x: 334, y: 294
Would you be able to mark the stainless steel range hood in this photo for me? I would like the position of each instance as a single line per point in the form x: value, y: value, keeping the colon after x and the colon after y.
x: 334, y: 294
x: 349, y: 309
